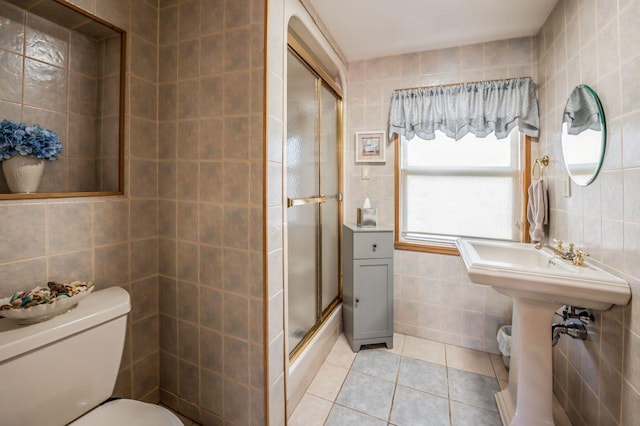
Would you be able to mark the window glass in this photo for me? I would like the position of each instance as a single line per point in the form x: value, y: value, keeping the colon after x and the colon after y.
x: 466, y: 188
x: 469, y: 151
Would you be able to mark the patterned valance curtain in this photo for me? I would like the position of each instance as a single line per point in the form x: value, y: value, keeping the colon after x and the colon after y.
x: 480, y: 108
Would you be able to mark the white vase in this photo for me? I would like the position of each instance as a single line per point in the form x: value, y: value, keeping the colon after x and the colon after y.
x: 23, y: 173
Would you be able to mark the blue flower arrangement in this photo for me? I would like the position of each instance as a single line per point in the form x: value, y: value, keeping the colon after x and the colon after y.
x: 23, y: 139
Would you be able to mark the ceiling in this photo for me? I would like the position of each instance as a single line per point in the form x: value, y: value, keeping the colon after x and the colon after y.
x: 365, y: 29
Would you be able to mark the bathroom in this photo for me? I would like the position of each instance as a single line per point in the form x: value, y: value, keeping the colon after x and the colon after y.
x: 197, y: 238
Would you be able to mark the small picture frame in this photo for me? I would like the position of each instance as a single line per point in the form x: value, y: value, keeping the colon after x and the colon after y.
x: 370, y: 147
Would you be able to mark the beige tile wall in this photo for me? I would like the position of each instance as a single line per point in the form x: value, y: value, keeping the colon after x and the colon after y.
x: 287, y: 384
x: 275, y: 274
x: 210, y: 209
x: 60, y: 84
x: 187, y: 238
x: 433, y: 298
x: 596, y: 43
x: 112, y: 241
x: 106, y: 153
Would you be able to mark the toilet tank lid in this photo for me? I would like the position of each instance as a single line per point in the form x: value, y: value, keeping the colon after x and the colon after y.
x: 97, y: 308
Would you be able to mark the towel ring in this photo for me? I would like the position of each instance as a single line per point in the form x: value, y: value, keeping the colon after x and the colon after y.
x: 539, y: 165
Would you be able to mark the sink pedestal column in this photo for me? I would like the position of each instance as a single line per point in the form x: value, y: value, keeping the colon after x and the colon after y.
x: 528, y: 398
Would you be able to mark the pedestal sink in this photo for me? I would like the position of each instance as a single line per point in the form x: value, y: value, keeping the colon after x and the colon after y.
x: 539, y: 283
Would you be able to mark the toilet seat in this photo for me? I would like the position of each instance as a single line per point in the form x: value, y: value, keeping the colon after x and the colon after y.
x: 128, y: 412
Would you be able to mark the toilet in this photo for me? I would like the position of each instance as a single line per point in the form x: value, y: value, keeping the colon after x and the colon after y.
x: 61, y: 371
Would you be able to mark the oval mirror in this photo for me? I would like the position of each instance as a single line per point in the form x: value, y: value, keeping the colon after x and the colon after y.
x: 583, y: 135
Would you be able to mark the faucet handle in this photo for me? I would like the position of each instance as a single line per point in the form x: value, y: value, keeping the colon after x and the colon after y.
x: 571, y: 246
x: 558, y: 244
x: 578, y: 259
x: 582, y: 252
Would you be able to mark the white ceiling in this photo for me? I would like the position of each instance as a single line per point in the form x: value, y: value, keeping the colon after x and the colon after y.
x: 365, y: 29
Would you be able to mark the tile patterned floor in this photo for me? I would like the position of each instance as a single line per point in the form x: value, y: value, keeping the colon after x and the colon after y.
x: 418, y: 382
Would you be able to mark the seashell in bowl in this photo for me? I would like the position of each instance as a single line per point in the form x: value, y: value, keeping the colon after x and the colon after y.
x: 43, y: 303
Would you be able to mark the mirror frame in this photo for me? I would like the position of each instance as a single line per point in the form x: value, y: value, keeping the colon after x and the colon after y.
x: 121, y: 123
x: 603, y: 138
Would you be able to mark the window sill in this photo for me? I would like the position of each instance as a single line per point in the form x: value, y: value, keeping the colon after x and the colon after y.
x: 426, y: 248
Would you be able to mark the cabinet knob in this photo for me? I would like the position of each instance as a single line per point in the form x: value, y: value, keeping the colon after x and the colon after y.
x: 357, y: 301
x: 375, y: 246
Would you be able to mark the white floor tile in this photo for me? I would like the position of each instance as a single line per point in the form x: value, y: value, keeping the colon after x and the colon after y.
x: 469, y: 360
x: 328, y: 381
x: 425, y: 350
x: 498, y: 367
x: 341, y: 353
x: 311, y: 411
x: 398, y: 343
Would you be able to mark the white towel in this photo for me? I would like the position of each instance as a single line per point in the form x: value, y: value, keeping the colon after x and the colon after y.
x: 537, y: 209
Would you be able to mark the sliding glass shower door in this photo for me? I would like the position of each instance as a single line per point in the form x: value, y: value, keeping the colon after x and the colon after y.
x: 313, y: 199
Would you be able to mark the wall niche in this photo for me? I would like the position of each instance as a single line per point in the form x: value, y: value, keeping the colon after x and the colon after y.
x: 64, y: 69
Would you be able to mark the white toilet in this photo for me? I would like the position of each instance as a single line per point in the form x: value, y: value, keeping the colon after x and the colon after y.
x: 60, y: 371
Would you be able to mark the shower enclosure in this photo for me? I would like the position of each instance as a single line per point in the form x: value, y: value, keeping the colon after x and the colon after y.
x: 314, y: 109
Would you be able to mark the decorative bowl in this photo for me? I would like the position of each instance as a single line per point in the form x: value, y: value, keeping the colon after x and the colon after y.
x: 44, y: 311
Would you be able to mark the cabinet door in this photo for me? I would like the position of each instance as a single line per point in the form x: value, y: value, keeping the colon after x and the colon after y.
x: 373, y: 298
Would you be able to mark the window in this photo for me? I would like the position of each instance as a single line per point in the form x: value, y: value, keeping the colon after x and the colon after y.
x: 474, y: 187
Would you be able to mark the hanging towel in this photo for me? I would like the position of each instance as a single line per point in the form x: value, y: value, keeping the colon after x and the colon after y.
x: 537, y: 209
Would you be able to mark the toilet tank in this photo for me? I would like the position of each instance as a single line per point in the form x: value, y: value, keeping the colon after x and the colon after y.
x: 55, y: 371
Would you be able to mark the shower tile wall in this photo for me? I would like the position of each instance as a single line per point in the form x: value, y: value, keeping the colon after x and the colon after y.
x: 596, y: 43
x: 110, y: 240
x: 34, y: 88
x: 433, y: 297
x: 276, y: 33
x: 210, y: 209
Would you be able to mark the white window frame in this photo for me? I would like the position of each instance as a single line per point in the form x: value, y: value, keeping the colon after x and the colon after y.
x: 446, y: 244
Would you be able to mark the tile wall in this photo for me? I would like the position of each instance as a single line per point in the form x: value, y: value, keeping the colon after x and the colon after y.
x: 287, y: 384
x: 107, y: 148
x: 191, y: 219
x: 274, y: 116
x: 186, y: 240
x: 596, y: 43
x: 210, y: 209
x: 112, y: 241
x: 433, y: 297
x: 55, y: 77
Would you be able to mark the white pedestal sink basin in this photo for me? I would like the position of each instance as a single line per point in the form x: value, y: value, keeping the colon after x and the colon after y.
x: 539, y: 283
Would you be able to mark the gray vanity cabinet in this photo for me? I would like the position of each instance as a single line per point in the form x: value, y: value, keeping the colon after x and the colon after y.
x: 367, y: 302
